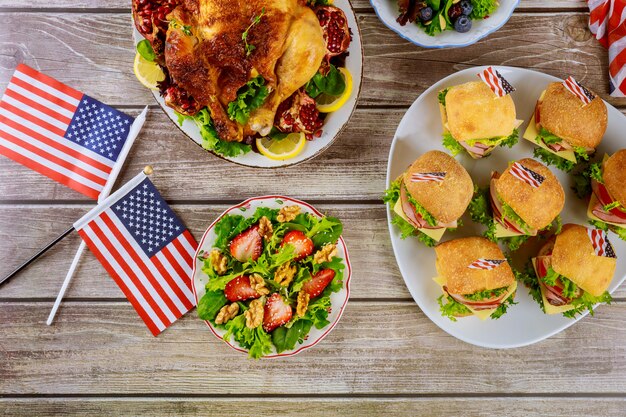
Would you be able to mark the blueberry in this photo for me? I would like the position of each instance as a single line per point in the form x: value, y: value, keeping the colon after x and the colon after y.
x: 466, y: 7
x: 462, y: 24
x: 426, y: 14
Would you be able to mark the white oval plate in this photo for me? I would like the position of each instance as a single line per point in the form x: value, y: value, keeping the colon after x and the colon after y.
x: 333, y: 124
x: 420, y: 131
x: 387, y: 11
x: 247, y: 208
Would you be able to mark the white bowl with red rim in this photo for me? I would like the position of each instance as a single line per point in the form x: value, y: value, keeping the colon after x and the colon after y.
x: 247, y: 208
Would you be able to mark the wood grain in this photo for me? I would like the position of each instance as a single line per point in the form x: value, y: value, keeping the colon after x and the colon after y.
x: 25, y: 228
x: 377, y: 347
x: 329, y: 407
x: 98, y: 49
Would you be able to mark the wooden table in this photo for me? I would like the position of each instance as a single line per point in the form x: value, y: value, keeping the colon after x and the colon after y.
x: 384, y: 357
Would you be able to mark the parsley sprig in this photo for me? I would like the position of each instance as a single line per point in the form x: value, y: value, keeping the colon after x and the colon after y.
x: 244, y: 36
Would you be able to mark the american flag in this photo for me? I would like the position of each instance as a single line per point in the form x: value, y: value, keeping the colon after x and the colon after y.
x: 607, y: 21
x: 527, y: 175
x: 486, y: 264
x: 600, y: 242
x: 428, y: 176
x: 146, y: 249
x: 496, y: 82
x: 60, y: 132
x: 578, y: 90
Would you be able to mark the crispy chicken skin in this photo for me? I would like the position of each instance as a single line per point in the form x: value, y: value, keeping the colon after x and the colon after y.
x: 205, y: 54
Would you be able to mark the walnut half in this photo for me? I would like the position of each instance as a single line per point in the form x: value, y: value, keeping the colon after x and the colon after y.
x: 284, y: 274
x: 254, y: 314
x: 258, y: 284
x: 265, y: 228
x: 219, y: 261
x: 228, y: 312
x: 303, y: 303
x: 326, y: 254
x: 288, y: 213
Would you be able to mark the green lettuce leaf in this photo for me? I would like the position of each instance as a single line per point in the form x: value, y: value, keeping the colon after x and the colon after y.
x: 210, y: 304
x: 510, y: 214
x: 552, y: 159
x: 286, y: 338
x: 249, y: 98
x: 451, y: 308
x: 502, y: 308
x: 529, y: 279
x: 595, y: 172
x: 452, y: 144
x: 257, y: 341
x: 483, y: 8
x: 392, y: 194
x: 548, y: 138
x: 332, y: 84
x: 442, y: 96
x: 481, y: 295
x: 586, y: 302
x: 480, y: 206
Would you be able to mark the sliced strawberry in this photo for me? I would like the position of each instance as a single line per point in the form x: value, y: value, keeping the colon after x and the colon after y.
x: 276, y: 313
x: 247, y: 245
x: 316, y: 285
x: 239, y: 289
x: 304, y: 246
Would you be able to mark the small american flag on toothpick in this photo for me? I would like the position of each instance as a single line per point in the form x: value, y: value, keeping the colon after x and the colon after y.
x: 526, y: 175
x: 428, y: 177
x: 600, y: 241
x: 494, y: 80
x: 578, y: 90
x: 486, y: 264
x: 60, y: 132
x: 146, y: 249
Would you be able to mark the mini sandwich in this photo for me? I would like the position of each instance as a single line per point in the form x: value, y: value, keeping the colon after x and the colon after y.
x: 475, y: 278
x: 519, y: 203
x: 573, y: 271
x: 476, y: 120
x: 430, y: 197
x: 565, y: 129
x: 607, y: 207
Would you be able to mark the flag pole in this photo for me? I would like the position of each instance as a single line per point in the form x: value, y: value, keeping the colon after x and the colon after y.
x: 134, y: 132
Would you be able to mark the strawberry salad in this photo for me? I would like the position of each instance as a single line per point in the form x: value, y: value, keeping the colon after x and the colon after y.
x: 271, y: 276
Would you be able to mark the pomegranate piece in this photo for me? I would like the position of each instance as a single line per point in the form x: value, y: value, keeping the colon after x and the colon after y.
x: 299, y: 114
x: 336, y: 30
x: 150, y: 17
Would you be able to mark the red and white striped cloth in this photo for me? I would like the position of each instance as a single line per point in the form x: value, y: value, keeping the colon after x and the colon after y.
x: 60, y: 132
x: 607, y: 21
x: 146, y: 249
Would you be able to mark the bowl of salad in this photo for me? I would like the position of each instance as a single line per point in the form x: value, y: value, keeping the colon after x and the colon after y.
x: 271, y: 276
x: 444, y: 23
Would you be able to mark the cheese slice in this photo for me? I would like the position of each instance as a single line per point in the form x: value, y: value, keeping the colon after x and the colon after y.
x: 435, y: 234
x: 592, y: 202
x: 501, y: 231
x: 549, y: 308
x: 481, y: 314
x: 531, y: 134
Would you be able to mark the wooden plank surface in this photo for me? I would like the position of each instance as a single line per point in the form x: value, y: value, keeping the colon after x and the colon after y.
x: 377, y: 347
x: 98, y: 48
x: 366, y: 235
x: 328, y: 407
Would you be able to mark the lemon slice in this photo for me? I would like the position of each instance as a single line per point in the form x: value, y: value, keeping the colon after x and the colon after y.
x: 328, y: 104
x: 283, y: 149
x: 148, y: 73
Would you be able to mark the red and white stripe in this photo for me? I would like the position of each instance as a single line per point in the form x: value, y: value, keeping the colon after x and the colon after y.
x: 428, y: 177
x: 486, y: 264
x: 158, y: 287
x: 600, y: 243
x: 607, y: 21
x: 490, y: 77
x: 35, y: 112
x: 522, y: 173
x: 572, y: 85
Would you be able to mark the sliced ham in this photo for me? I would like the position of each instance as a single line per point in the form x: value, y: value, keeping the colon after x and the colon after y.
x: 415, y: 218
x: 553, y: 293
x: 496, y: 207
x: 486, y: 304
x: 615, y: 215
x: 479, y: 150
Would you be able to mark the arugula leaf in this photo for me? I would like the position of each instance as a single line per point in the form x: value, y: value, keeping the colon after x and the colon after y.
x: 145, y: 50
x: 483, y: 8
x: 332, y: 84
x: 503, y: 307
x: 481, y: 295
x: 451, y: 308
x: 286, y: 338
x: 552, y: 159
x: 257, y: 341
x: 452, y: 144
x: 249, y: 98
x: 442, y: 96
x: 586, y: 302
x: 210, y: 304
x: 210, y: 138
